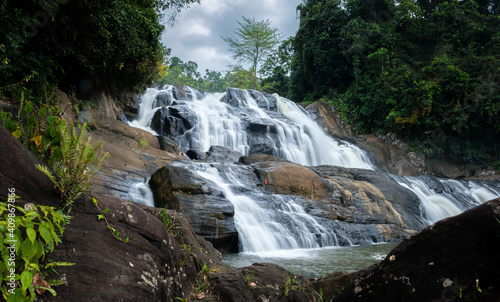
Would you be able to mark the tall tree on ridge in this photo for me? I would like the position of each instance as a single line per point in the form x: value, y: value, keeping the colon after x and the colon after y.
x: 254, y: 42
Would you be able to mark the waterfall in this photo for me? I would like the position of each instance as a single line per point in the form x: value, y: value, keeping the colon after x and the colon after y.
x: 141, y: 193
x: 446, y: 197
x: 147, y: 109
x: 239, y: 122
x: 316, y: 141
x: 250, y: 122
x: 265, y: 226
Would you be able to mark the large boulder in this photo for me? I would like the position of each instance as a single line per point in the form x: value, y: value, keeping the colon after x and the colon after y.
x: 206, y: 209
x: 261, y: 282
x: 173, y: 120
x: 372, y: 198
x: 162, y: 188
x: 19, y: 172
x: 161, y: 122
x: 222, y: 154
x: 292, y: 179
x: 455, y: 259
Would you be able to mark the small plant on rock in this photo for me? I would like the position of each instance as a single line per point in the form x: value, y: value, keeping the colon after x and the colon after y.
x: 79, y: 162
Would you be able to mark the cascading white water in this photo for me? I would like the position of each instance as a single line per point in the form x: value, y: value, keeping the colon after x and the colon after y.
x: 147, y: 109
x: 141, y: 193
x: 298, y: 139
x: 216, y: 127
x: 454, y: 196
x: 317, y: 146
x: 265, y: 229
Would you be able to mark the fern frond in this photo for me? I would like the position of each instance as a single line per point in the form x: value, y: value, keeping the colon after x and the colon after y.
x: 49, y: 174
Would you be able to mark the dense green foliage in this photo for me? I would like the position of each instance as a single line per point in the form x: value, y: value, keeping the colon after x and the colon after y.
x: 254, y: 41
x: 27, y: 236
x: 429, y: 71
x: 86, y: 44
x: 36, y: 127
x: 276, y: 69
x: 186, y: 73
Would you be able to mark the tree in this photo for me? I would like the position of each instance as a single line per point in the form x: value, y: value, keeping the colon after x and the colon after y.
x: 319, y: 64
x: 109, y: 44
x: 276, y: 69
x: 427, y: 70
x: 239, y: 77
x: 254, y: 42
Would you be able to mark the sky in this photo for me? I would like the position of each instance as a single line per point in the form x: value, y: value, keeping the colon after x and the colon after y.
x: 196, y: 36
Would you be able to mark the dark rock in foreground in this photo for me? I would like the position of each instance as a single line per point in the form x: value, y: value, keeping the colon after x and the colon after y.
x: 453, y: 258
x: 261, y: 282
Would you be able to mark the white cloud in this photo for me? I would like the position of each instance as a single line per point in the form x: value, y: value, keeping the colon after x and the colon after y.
x: 195, y: 27
x: 196, y: 36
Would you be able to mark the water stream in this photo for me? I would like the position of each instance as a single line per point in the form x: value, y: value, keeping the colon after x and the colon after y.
x: 442, y: 198
x: 282, y: 225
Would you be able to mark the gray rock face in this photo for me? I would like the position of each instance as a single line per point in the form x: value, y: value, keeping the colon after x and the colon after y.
x: 222, y: 154
x: 161, y: 122
x: 173, y: 120
x: 261, y: 282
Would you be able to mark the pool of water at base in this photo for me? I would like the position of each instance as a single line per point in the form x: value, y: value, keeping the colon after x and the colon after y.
x: 316, y: 263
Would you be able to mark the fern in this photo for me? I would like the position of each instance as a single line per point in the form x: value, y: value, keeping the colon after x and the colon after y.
x: 76, y: 166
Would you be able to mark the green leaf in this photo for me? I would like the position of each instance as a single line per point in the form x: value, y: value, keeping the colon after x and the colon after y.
x: 99, y: 217
x: 7, y: 124
x: 31, y: 234
x: 33, y: 213
x: 30, y: 122
x: 51, y: 119
x: 57, y: 138
x: 52, y: 131
x: 28, y: 249
x: 62, y: 263
x: 26, y: 279
x: 29, y: 108
x: 17, y: 296
x: 57, y: 154
x: 105, y: 211
x: 35, y: 266
x: 45, y: 233
x: 42, y: 112
x: 53, y: 292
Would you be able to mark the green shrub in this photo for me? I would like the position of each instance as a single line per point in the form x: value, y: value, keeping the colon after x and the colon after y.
x: 36, y: 128
x: 30, y: 234
x: 79, y: 162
